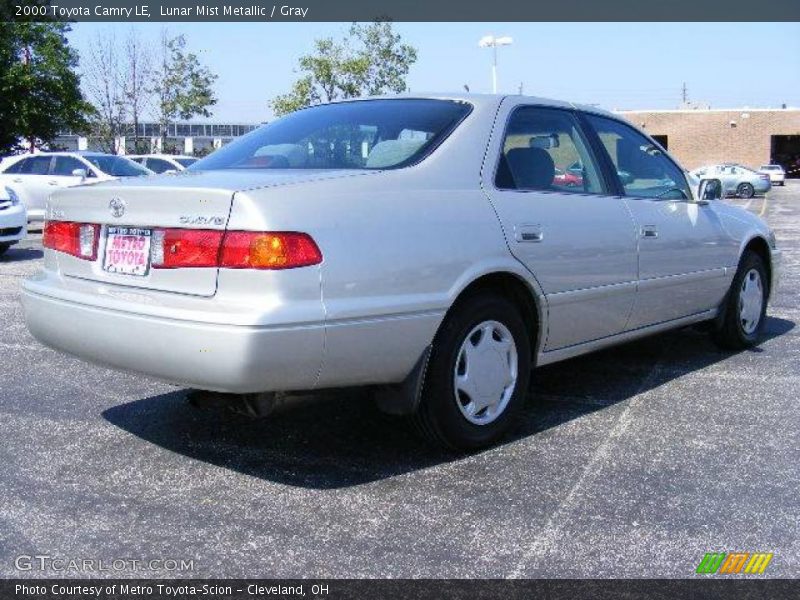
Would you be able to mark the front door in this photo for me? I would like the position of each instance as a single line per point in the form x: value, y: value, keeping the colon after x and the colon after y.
x: 685, y: 254
x: 576, y: 238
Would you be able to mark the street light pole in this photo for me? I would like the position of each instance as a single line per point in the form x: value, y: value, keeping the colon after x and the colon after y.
x: 493, y: 42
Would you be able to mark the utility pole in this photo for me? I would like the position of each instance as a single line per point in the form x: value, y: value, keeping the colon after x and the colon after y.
x: 684, y: 93
x: 520, y: 88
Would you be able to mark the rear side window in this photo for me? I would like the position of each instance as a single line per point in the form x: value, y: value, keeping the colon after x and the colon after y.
x: 14, y: 167
x: 642, y: 167
x: 35, y: 165
x: 544, y: 150
x: 369, y: 134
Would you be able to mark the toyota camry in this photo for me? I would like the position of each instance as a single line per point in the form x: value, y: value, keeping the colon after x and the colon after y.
x: 425, y: 247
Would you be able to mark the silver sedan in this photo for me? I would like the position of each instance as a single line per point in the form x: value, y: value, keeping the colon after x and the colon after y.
x: 736, y: 179
x: 422, y: 246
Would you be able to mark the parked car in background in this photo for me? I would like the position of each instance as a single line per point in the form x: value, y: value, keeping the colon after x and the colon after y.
x: 35, y: 176
x: 418, y: 245
x: 162, y: 163
x: 13, y: 219
x: 777, y: 176
x: 737, y: 180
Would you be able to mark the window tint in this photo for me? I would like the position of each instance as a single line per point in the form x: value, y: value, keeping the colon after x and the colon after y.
x: 65, y: 165
x: 35, y: 165
x: 544, y: 150
x: 185, y: 162
x: 15, y: 167
x: 373, y: 134
x: 116, y: 166
x: 642, y: 168
x: 159, y: 165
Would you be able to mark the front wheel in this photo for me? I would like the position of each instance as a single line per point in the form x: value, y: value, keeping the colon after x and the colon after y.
x: 745, y: 190
x: 746, y: 305
x: 478, y: 374
x: 4, y: 248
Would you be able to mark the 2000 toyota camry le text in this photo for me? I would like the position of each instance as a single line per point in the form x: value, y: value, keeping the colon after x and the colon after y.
x: 424, y: 246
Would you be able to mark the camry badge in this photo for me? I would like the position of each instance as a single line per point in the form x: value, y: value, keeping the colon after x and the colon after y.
x: 117, y: 206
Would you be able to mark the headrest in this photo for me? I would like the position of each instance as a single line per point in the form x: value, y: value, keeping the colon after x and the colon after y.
x: 392, y: 152
x: 532, y: 168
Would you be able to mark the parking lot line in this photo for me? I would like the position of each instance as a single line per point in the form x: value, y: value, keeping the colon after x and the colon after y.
x: 763, y: 206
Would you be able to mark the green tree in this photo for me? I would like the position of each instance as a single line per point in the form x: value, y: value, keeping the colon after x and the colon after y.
x: 183, y: 87
x: 39, y: 88
x: 371, y: 60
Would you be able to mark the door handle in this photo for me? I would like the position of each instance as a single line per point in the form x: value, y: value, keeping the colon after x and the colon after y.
x: 52, y: 183
x: 528, y: 233
x: 17, y: 180
x: 649, y: 231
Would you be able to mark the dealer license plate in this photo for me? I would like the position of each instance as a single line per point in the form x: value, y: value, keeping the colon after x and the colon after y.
x: 127, y: 250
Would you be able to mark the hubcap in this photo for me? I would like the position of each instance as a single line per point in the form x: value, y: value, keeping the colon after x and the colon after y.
x: 751, y: 301
x: 485, y: 373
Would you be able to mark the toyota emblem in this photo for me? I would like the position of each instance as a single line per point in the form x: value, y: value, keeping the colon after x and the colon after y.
x: 117, y: 206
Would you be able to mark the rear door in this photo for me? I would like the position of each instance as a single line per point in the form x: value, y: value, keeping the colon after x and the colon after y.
x: 31, y: 176
x: 579, y: 241
x: 684, y: 250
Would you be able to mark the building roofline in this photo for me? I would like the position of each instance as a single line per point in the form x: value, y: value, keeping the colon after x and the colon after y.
x: 705, y: 110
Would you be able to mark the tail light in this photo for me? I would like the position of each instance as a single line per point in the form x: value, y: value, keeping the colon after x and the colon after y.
x: 76, y: 239
x: 182, y: 248
x: 176, y: 248
x: 275, y: 250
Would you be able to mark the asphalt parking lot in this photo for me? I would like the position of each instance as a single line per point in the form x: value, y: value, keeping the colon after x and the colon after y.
x: 632, y: 462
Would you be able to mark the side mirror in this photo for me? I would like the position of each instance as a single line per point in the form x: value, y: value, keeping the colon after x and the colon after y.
x: 79, y: 173
x: 710, y: 189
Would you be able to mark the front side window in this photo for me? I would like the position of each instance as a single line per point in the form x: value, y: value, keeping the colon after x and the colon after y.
x: 642, y: 167
x: 370, y: 134
x: 117, y: 166
x: 159, y: 165
x: 544, y: 150
x: 65, y: 165
x: 185, y: 162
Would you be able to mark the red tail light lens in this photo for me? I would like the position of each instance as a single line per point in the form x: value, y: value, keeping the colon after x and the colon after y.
x: 174, y: 248
x: 268, y: 250
x: 75, y: 239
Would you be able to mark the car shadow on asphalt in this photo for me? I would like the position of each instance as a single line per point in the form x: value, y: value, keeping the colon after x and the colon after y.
x: 340, y: 439
x: 21, y: 254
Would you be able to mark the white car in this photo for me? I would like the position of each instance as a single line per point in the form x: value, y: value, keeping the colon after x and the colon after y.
x: 35, y: 176
x: 13, y: 219
x: 163, y: 163
x: 420, y: 245
x: 777, y: 176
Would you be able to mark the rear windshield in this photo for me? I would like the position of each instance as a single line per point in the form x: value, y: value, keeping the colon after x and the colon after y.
x: 117, y: 166
x: 371, y: 134
x: 770, y: 167
x: 185, y: 162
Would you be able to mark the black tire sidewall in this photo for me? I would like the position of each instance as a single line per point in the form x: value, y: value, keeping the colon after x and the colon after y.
x: 745, y: 187
x: 750, y: 261
x: 439, y: 395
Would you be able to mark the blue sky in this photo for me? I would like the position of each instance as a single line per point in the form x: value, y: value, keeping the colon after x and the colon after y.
x: 616, y: 65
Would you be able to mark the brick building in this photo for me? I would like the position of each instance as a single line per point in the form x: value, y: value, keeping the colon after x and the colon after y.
x: 750, y: 136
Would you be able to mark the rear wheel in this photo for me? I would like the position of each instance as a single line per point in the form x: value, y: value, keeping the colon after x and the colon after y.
x: 746, y: 305
x: 745, y: 190
x: 477, y: 376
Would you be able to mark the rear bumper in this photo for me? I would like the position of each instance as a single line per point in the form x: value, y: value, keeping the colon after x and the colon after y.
x: 224, y: 357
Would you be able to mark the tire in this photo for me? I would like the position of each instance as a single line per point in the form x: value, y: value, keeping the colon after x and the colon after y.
x: 4, y: 248
x: 482, y: 334
x: 745, y: 307
x: 745, y: 190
